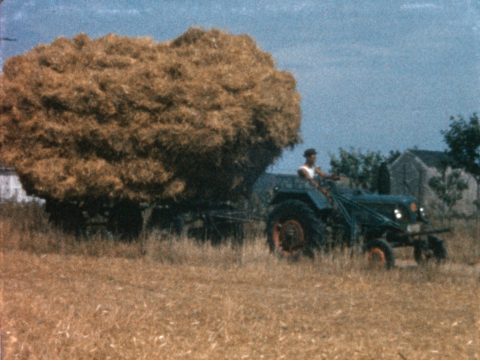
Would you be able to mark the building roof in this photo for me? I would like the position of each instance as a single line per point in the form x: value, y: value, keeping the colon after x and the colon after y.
x: 431, y: 158
x: 6, y: 170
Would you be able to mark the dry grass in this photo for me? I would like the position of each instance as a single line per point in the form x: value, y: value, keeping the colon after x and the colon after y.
x: 177, y: 299
x: 464, y: 242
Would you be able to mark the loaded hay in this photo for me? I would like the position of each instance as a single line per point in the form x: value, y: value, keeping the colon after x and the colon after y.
x: 129, y: 119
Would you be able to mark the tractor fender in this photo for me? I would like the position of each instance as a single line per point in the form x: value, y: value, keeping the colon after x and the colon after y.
x: 312, y: 197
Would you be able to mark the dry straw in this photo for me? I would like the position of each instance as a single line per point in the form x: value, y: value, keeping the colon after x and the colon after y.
x: 201, y: 116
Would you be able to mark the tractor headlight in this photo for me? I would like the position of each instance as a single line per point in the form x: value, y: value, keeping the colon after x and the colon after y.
x: 422, y: 215
x: 398, y: 213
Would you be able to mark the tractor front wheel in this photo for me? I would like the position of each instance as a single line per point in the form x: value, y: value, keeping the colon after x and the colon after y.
x: 379, y: 254
x: 434, y: 247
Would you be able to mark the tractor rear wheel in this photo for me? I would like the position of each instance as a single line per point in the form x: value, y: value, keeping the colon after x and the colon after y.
x: 294, y: 229
x: 379, y: 254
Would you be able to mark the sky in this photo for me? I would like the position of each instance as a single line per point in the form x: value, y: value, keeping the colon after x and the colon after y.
x: 373, y: 75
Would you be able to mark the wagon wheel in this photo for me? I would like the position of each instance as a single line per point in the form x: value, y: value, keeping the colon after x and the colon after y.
x: 167, y: 222
x: 379, y: 254
x: 220, y: 230
x: 294, y: 229
x: 66, y: 216
x: 125, y: 221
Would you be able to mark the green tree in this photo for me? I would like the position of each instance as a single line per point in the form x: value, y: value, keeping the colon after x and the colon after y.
x: 361, y: 168
x: 449, y: 187
x: 463, y: 141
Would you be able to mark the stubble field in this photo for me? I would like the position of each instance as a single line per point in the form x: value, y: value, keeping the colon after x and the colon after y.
x: 170, y: 299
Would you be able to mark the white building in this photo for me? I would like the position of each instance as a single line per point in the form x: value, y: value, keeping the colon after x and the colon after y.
x: 10, y: 187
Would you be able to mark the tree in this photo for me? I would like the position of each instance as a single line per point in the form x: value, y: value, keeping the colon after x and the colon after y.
x: 463, y: 141
x: 361, y: 168
x: 449, y: 187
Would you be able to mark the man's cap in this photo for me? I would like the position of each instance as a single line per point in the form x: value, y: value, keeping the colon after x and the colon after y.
x: 309, y: 152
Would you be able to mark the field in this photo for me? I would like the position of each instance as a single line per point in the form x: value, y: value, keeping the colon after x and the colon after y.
x: 166, y: 298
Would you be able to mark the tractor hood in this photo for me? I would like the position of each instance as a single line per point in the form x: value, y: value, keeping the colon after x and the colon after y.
x: 399, y: 208
x: 383, y: 198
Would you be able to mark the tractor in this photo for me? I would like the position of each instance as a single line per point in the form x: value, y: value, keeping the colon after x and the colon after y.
x: 305, y: 219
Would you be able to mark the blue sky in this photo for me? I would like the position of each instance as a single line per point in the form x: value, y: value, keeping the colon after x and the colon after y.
x: 375, y: 75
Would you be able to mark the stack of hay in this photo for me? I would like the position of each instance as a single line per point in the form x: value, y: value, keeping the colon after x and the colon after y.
x: 199, y: 117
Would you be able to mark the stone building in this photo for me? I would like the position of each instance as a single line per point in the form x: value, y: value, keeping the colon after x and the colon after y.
x: 411, y: 172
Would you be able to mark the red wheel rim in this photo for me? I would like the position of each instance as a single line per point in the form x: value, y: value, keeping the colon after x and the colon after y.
x: 376, y: 257
x: 288, y: 237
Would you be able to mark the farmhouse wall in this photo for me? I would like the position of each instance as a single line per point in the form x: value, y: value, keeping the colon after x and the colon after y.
x: 411, y: 173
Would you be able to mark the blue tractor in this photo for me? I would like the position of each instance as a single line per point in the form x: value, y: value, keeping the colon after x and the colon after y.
x: 305, y: 219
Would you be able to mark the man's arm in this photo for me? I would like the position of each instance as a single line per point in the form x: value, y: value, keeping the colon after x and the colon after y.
x: 319, y: 172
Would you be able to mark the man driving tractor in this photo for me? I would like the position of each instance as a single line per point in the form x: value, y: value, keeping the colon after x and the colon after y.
x: 308, y: 170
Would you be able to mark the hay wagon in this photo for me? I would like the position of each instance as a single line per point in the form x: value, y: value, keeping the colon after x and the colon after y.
x: 212, y: 221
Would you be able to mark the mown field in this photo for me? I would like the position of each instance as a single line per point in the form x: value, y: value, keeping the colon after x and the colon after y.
x: 169, y: 299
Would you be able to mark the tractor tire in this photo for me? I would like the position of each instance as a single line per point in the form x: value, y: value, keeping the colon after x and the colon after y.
x: 439, y: 250
x: 294, y: 229
x: 433, y: 248
x: 421, y: 253
x: 379, y: 254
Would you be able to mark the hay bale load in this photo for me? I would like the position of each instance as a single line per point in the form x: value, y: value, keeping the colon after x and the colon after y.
x: 129, y: 119
x: 201, y: 116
